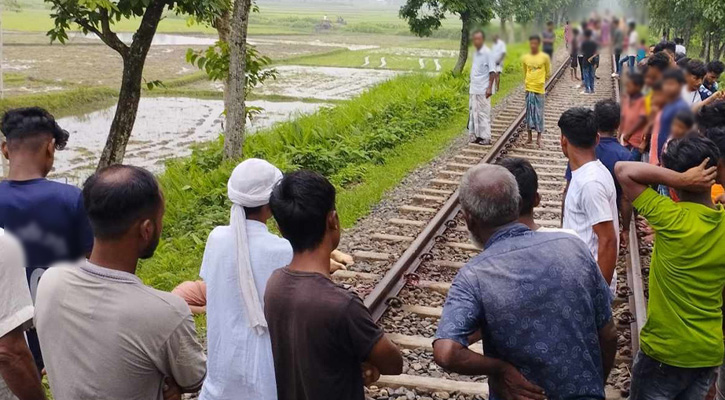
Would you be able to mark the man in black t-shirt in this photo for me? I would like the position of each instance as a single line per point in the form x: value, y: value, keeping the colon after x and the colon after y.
x: 325, y: 344
x: 590, y: 50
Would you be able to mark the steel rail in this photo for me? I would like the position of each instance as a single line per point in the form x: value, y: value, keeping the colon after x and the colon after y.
x: 418, y: 251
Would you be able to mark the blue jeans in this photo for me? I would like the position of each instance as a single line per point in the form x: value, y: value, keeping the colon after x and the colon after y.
x: 588, y: 77
x: 630, y: 62
x: 653, y: 380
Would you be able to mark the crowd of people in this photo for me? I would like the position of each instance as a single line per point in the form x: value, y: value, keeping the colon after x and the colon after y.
x: 278, y: 326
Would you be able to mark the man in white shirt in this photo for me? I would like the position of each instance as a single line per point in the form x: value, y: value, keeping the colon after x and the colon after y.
x: 238, y: 261
x: 693, y: 92
x: 590, y: 206
x: 499, y: 54
x: 104, y: 334
x: 19, y: 378
x: 680, y: 47
x: 483, y: 72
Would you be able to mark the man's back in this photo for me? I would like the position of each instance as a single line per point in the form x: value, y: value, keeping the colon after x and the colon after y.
x: 106, y: 335
x: 321, y: 334
x: 240, y: 360
x: 540, y: 302
x: 48, y: 218
x: 684, y: 314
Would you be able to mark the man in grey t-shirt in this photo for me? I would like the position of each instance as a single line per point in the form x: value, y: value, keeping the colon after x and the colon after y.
x: 104, y: 334
x: 548, y: 37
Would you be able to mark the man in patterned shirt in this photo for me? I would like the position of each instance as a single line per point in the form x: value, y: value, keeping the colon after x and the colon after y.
x: 537, y: 299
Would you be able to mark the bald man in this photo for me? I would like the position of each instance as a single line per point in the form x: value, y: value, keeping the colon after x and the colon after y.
x: 536, y: 299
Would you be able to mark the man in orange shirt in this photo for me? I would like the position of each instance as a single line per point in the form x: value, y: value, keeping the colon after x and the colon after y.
x: 634, y: 116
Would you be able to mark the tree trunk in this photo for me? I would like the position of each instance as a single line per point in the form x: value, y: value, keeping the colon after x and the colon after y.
x: 718, y: 52
x: 512, y: 28
x: 222, y: 24
x: 236, y: 108
x: 503, y: 27
x: 465, y: 39
x: 130, y: 94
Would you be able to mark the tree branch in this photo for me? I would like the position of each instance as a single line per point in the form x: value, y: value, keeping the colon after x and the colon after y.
x: 109, y: 37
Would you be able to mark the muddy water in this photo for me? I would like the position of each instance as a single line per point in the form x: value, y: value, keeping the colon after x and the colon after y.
x: 165, y: 128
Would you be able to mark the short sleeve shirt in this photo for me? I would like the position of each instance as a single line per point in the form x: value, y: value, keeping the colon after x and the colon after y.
x: 483, y: 64
x: 684, y: 313
x: 106, y: 324
x: 16, y: 307
x: 633, y: 110
x: 548, y: 35
x: 537, y: 68
x: 321, y: 334
x: 539, y: 300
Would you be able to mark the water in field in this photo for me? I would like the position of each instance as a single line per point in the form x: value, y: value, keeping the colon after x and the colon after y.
x: 166, y: 127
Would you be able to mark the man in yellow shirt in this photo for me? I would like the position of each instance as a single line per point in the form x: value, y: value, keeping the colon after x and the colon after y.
x: 537, y: 67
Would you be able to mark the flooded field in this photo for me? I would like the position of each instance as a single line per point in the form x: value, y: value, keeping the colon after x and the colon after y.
x: 166, y: 127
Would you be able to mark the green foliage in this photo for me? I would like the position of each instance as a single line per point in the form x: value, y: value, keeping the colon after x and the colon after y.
x: 214, y: 61
x: 67, y: 102
x: 426, y: 16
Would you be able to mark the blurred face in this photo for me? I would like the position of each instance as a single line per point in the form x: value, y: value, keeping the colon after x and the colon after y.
x: 711, y: 77
x: 534, y: 45
x: 550, y: 27
x: 151, y: 231
x: 693, y: 82
x: 672, y: 88
x: 653, y: 75
x: 679, y: 129
x: 632, y: 88
x: 478, y: 40
x: 658, y: 98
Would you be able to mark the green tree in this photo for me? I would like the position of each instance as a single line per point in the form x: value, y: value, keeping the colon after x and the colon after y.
x: 425, y: 16
x: 98, y: 17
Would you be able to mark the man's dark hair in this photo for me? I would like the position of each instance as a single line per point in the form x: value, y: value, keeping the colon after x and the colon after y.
x: 659, y: 60
x: 29, y: 124
x: 579, y: 127
x: 300, y: 204
x: 477, y: 32
x: 118, y: 196
x: 575, y: 31
x: 632, y: 24
x: 696, y: 68
x: 587, y: 33
x: 686, y: 117
x: 549, y: 23
x: 717, y: 67
x: 607, y: 114
x: 674, y: 74
x: 679, y: 40
x: 711, y: 116
x: 615, y: 21
x: 689, y: 152
x: 535, y: 37
x: 527, y: 180
x: 636, y: 78
x: 682, y: 62
x: 717, y: 135
x: 671, y: 46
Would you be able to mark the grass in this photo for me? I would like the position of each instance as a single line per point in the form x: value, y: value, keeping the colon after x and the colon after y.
x: 64, y: 103
x: 195, y: 187
x: 356, y: 59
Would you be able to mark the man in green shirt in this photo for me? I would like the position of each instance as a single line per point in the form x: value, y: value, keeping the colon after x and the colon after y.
x: 681, y: 344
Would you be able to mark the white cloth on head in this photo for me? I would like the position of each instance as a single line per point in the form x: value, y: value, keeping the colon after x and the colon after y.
x: 250, y: 185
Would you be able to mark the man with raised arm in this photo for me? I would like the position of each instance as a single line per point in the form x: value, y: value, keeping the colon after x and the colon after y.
x: 324, y: 341
x: 19, y: 378
x: 104, y: 334
x: 536, y: 299
x: 681, y: 344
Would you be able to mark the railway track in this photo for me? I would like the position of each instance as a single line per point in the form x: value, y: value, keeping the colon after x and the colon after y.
x: 408, y: 268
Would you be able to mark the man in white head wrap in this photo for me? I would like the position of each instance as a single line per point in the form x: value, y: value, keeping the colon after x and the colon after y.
x: 238, y: 261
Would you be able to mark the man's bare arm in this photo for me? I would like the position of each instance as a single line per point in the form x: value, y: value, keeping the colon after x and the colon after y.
x: 17, y: 367
x: 385, y: 357
x: 635, y: 177
x: 625, y: 209
x: 608, y: 346
x: 607, y: 251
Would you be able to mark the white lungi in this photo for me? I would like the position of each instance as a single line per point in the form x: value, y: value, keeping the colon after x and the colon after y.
x: 479, y: 116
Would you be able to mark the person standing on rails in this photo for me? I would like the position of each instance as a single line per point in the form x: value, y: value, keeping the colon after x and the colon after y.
x: 104, y: 334
x: 617, y: 44
x: 537, y: 68
x: 681, y: 344
x: 590, y: 205
x: 483, y: 76
x: 19, y: 378
x: 590, y: 51
x: 47, y: 217
x: 499, y: 54
x: 548, y: 38
x: 324, y: 341
x: 512, y: 295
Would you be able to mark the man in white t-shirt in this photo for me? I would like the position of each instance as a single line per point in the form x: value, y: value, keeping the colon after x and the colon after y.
x: 19, y: 378
x: 590, y: 206
x: 483, y: 72
x: 499, y: 54
x: 528, y: 182
x: 680, y: 46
